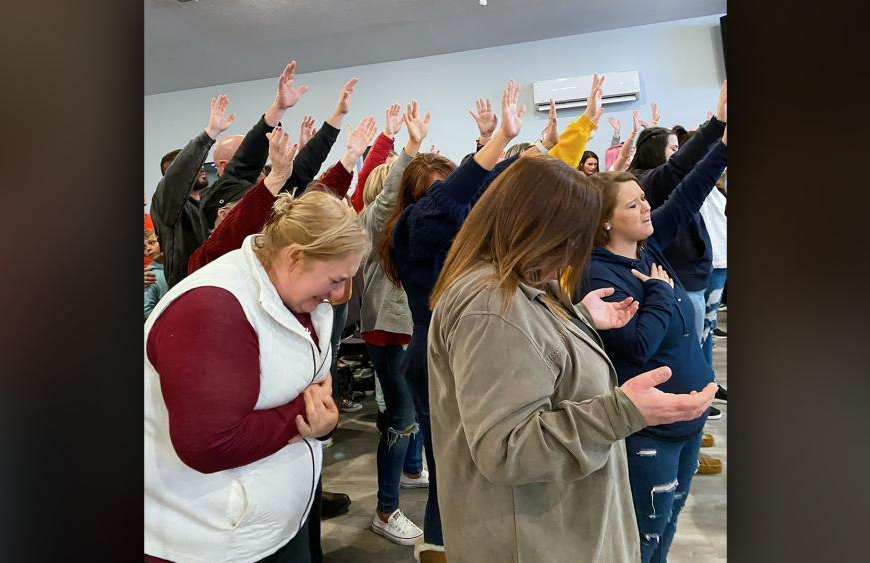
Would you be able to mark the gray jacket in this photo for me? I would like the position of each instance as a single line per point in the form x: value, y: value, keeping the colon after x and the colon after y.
x: 528, y: 429
x: 384, y: 306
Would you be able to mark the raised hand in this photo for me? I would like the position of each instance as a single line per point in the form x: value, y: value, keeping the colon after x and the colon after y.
x: 607, y: 315
x: 658, y: 407
x: 594, y: 108
x: 218, y: 121
x: 550, y: 134
x: 656, y: 273
x: 358, y: 139
x: 343, y: 105
x: 288, y: 94
x: 417, y: 128
x: 655, y: 114
x: 306, y: 131
x: 393, y: 121
x: 511, y: 111
x: 484, y: 117
x: 636, y: 121
x: 615, y: 125
x: 434, y: 150
x: 722, y: 104
x: 281, y: 153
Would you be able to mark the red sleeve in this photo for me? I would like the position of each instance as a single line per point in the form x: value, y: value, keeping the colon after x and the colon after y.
x: 208, y: 358
x: 246, y: 218
x: 337, y: 178
x: 377, y: 156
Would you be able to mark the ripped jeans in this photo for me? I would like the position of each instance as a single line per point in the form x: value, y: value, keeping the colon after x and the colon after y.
x: 399, y: 448
x: 660, y: 473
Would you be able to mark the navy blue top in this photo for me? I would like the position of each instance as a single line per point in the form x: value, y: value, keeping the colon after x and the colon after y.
x: 662, y: 332
x: 690, y: 252
x: 426, y: 229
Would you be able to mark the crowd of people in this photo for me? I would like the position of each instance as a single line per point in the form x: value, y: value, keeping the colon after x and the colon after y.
x: 541, y: 331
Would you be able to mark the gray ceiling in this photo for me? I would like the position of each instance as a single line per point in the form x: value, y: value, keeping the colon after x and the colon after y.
x: 206, y: 42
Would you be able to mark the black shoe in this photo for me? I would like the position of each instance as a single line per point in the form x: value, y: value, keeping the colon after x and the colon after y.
x: 333, y: 504
x: 721, y: 395
x: 719, y: 333
x: 714, y: 414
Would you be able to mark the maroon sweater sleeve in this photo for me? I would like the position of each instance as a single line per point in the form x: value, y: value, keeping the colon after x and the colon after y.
x: 246, y: 218
x: 377, y: 156
x: 208, y: 358
x: 337, y: 178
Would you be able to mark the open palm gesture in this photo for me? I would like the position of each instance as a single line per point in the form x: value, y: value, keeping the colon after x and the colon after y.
x: 393, y: 120
x: 218, y: 120
x: 358, y: 139
x: 607, y: 315
x: 484, y: 117
x: 288, y: 94
x: 417, y: 128
x: 511, y: 111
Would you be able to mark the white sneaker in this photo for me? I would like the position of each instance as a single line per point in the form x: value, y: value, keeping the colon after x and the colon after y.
x: 398, y: 529
x: 415, y: 483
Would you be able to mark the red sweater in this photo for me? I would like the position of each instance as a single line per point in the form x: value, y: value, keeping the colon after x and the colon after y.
x: 377, y: 156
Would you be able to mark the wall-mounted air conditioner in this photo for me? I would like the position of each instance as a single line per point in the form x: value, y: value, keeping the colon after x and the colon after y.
x: 573, y: 92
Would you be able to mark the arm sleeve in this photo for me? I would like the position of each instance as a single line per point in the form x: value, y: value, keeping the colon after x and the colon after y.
x: 338, y: 179
x: 207, y: 355
x: 174, y: 188
x: 246, y: 218
x: 312, y: 156
x: 152, y: 295
x: 250, y: 157
x: 659, y: 182
x: 377, y: 155
x: 572, y: 141
x: 375, y: 216
x: 463, y: 184
x: 515, y: 431
x: 689, y: 196
x: 614, y: 140
x: 638, y: 340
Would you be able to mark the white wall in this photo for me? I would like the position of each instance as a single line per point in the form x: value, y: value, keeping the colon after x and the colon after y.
x: 680, y: 66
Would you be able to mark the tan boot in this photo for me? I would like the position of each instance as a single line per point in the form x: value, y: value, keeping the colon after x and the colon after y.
x: 709, y: 465
x: 429, y: 556
x: 707, y: 441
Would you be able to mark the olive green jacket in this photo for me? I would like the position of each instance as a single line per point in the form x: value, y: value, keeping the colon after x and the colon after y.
x: 528, y: 429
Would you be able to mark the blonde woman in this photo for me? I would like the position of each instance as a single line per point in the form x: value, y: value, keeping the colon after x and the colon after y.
x: 527, y: 421
x: 238, y: 391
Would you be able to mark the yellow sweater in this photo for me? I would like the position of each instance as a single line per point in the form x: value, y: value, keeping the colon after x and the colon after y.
x: 572, y: 141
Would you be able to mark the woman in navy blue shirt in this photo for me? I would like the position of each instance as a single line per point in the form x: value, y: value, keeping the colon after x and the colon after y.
x: 628, y: 256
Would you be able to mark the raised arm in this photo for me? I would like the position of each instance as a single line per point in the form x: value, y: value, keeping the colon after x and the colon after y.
x: 690, y: 194
x: 485, y: 119
x: 339, y: 176
x: 659, y: 182
x: 312, y: 156
x: 572, y: 141
x: 378, y: 154
x: 375, y: 216
x: 175, y: 186
x: 251, y: 212
x: 621, y: 162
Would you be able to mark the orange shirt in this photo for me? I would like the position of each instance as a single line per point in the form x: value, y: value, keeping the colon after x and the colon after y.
x: 149, y: 226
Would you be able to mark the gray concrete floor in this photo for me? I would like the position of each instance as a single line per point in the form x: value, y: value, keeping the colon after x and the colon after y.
x: 350, y: 467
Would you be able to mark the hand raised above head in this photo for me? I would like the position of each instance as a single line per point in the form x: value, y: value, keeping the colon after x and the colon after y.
x: 417, y: 127
x: 306, y: 131
x: 288, y: 93
x: 393, y: 121
x: 484, y: 117
x: 218, y: 121
x: 511, y: 110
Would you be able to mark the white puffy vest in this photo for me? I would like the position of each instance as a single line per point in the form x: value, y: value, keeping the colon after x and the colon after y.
x: 245, y: 513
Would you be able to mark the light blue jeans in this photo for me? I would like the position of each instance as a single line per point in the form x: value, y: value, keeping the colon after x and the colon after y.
x: 713, y: 297
x: 699, y: 304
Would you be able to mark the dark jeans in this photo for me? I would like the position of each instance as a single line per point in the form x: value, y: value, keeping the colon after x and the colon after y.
x: 342, y: 383
x: 418, y: 381
x: 305, y: 545
x: 401, y: 426
x: 713, y: 297
x: 660, y: 473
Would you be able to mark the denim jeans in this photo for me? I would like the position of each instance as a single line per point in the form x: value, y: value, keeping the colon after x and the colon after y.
x: 418, y: 381
x: 713, y: 297
x: 699, y: 305
x: 398, y: 442
x: 660, y: 473
x: 341, y: 384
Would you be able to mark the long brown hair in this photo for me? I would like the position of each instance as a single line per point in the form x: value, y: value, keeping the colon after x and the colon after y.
x: 607, y: 184
x: 535, y: 221
x: 416, y: 179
